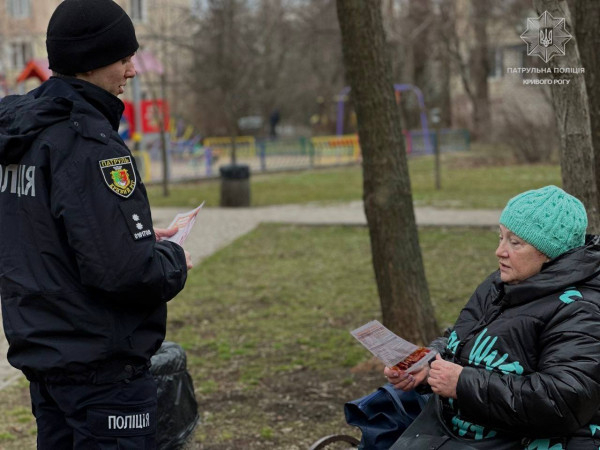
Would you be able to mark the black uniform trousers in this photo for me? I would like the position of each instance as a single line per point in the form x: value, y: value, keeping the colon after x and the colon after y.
x: 120, y: 415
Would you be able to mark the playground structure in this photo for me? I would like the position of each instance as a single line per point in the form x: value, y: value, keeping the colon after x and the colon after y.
x: 189, y: 160
x: 261, y: 155
x: 191, y: 157
x: 425, y: 133
x: 192, y: 160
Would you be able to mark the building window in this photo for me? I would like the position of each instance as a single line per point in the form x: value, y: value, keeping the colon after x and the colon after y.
x: 18, y: 8
x: 20, y: 53
x: 496, y: 63
x: 138, y: 10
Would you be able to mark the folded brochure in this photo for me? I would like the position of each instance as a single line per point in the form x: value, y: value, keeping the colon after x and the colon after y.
x: 392, y: 349
x: 185, y: 222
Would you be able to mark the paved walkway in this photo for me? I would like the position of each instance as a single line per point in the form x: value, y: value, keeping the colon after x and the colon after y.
x: 216, y: 228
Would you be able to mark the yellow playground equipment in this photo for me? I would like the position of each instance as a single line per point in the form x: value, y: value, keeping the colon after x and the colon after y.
x: 245, y: 146
x: 336, y: 149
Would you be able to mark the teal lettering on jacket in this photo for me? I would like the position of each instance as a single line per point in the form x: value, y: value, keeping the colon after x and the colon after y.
x: 543, y: 444
x: 453, y: 342
x: 482, y: 352
x: 570, y: 295
x: 461, y: 427
x: 594, y: 428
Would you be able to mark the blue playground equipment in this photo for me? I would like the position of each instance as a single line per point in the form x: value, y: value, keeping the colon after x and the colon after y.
x: 397, y: 88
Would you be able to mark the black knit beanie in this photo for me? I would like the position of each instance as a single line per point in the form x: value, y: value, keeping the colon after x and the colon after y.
x: 87, y: 34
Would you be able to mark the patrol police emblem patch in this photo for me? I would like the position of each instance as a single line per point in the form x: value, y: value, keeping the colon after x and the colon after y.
x: 119, y: 175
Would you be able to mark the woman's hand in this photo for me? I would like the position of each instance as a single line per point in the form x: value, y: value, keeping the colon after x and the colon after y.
x: 405, y: 381
x: 443, y: 377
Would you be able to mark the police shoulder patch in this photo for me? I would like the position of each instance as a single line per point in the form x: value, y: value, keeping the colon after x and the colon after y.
x: 137, y: 218
x: 119, y: 175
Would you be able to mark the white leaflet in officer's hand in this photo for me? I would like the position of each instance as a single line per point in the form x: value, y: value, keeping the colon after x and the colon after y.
x: 392, y: 349
x: 185, y: 222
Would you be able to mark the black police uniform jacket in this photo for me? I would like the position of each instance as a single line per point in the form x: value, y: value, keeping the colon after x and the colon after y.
x: 531, y: 357
x: 83, y: 281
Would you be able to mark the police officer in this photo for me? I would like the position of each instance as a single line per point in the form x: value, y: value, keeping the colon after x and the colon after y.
x: 84, y: 278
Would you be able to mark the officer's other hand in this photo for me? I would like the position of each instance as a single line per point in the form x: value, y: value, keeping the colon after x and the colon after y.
x: 188, y: 259
x: 162, y: 233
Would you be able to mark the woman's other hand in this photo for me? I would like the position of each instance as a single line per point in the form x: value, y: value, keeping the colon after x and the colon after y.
x: 406, y: 381
x: 443, y: 377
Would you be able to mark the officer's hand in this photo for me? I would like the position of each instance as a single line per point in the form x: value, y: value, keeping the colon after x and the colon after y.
x: 162, y: 233
x: 188, y: 259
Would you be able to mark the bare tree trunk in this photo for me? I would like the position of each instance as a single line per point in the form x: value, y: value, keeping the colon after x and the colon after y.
x: 421, y: 20
x: 448, y: 52
x: 571, y: 107
x: 473, y: 65
x: 445, y: 99
x: 479, y: 64
x: 397, y: 261
x: 587, y: 23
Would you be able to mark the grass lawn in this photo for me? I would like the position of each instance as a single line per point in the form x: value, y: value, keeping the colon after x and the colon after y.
x: 465, y: 184
x: 265, y: 323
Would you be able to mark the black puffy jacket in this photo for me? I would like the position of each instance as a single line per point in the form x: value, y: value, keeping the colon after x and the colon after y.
x: 531, y: 357
x: 83, y: 282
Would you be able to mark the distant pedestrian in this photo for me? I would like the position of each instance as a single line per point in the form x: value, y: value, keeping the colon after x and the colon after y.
x: 84, y: 278
x: 273, y: 121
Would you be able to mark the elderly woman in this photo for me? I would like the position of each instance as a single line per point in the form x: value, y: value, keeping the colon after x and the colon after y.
x: 521, y: 368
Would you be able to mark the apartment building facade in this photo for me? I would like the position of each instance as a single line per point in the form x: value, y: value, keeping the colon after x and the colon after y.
x: 160, y: 25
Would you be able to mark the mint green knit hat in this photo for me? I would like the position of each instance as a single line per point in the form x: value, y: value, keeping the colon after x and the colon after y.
x: 547, y: 218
